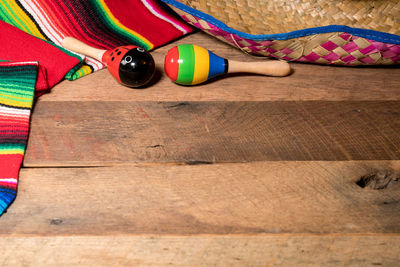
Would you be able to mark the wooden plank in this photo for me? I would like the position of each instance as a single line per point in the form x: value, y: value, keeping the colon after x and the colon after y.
x: 308, y: 82
x: 105, y: 133
x: 264, y: 250
x: 240, y: 198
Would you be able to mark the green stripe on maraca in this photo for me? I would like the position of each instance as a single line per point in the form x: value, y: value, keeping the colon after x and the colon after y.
x: 186, y: 66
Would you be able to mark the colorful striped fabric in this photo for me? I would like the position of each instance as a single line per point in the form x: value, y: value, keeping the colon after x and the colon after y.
x: 189, y: 64
x: 32, y: 30
x: 17, y: 86
x: 102, y: 24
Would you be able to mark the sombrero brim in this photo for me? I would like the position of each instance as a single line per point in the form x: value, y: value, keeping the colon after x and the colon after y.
x: 316, y: 41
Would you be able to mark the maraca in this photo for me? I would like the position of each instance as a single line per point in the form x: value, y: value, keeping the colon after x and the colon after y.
x: 190, y: 64
x: 130, y: 65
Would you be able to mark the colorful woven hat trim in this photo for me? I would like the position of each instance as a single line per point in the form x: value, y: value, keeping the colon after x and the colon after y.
x: 334, y: 44
x: 366, y: 33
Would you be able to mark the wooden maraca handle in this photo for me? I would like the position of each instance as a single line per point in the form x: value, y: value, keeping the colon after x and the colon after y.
x: 77, y: 46
x: 271, y: 68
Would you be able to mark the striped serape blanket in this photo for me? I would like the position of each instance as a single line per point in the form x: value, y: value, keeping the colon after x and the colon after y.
x: 102, y: 24
x: 32, y: 60
x: 17, y: 87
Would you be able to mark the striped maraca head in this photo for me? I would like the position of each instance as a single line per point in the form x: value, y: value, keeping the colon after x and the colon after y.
x: 189, y: 64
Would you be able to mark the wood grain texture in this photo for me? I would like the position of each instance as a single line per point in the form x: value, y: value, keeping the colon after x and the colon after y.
x: 222, y: 174
x: 308, y: 82
x: 240, y: 198
x: 105, y: 133
x: 264, y: 250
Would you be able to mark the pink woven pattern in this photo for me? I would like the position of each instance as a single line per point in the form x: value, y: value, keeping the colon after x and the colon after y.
x: 337, y: 48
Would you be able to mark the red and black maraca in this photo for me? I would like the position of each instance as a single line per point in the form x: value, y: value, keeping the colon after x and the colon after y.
x: 130, y: 65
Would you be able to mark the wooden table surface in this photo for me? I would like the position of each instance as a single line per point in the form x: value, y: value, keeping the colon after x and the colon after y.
x: 245, y: 170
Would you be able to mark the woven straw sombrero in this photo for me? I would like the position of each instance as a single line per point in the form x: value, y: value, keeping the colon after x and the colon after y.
x: 340, y: 32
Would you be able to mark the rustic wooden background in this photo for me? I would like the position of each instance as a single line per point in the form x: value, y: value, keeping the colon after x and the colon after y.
x: 243, y: 170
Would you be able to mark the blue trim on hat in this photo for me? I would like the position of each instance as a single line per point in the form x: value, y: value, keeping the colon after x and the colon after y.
x: 369, y: 34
